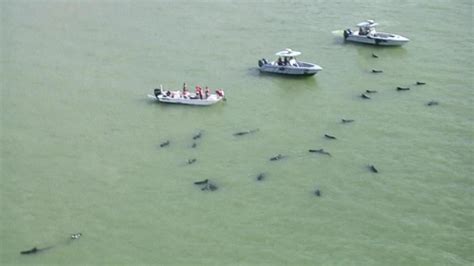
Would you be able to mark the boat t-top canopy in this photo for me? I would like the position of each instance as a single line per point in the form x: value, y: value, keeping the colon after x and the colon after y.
x: 288, y: 53
x: 368, y: 23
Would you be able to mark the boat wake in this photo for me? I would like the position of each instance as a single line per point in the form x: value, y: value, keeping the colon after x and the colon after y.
x: 338, y: 33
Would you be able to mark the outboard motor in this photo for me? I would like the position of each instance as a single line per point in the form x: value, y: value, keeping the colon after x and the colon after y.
x: 262, y: 62
x: 157, y: 92
x: 347, y: 33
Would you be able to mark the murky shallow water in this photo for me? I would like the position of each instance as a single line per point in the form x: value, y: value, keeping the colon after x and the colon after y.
x: 80, y: 140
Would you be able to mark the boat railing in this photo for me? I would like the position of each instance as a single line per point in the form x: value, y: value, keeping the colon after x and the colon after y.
x: 303, y: 64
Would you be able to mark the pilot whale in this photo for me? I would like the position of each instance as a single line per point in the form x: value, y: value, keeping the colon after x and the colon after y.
x: 277, y: 157
x: 329, y: 136
x: 31, y: 251
x: 76, y: 236
x: 35, y: 250
x: 201, y: 182
x: 164, y: 144
x: 321, y: 151
x: 197, y: 136
x: 403, y: 88
x: 242, y: 133
x: 209, y: 186
x: 373, y: 169
x: 317, y: 192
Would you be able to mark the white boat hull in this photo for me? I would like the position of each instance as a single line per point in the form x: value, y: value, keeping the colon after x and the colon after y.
x: 379, y: 38
x: 188, y: 100
x: 306, y: 69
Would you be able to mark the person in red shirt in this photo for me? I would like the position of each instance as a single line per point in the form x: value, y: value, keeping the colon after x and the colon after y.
x: 199, y: 92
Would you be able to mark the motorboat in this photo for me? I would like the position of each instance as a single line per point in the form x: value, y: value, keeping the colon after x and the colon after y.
x: 199, y: 97
x: 288, y: 65
x: 366, y: 33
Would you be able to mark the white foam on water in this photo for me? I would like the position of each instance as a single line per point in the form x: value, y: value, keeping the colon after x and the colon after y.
x: 338, y: 33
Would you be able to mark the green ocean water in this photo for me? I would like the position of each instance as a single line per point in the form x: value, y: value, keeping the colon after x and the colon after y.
x: 80, y: 139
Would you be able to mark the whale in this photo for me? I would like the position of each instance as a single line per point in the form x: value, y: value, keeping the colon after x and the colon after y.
x: 373, y: 169
x: 431, y: 103
x: 206, y: 185
x: 344, y: 121
x: 76, y: 236
x: 197, y: 136
x: 205, y: 181
x: 403, y: 88
x: 261, y: 176
x: 420, y: 83
x: 34, y: 250
x: 374, y: 55
x: 191, y: 161
x: 321, y: 151
x: 164, y: 144
x: 317, y: 192
x: 364, y: 96
x: 242, y: 133
x: 371, y: 91
x: 30, y: 251
x: 209, y: 186
x: 329, y: 136
x: 194, y: 145
x: 377, y: 71
x: 277, y: 157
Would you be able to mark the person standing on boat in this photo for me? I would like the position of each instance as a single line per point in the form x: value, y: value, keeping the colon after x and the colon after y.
x: 208, y: 92
x: 292, y: 61
x: 196, y: 90
x: 185, y: 90
x: 279, y: 61
x: 199, y: 92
